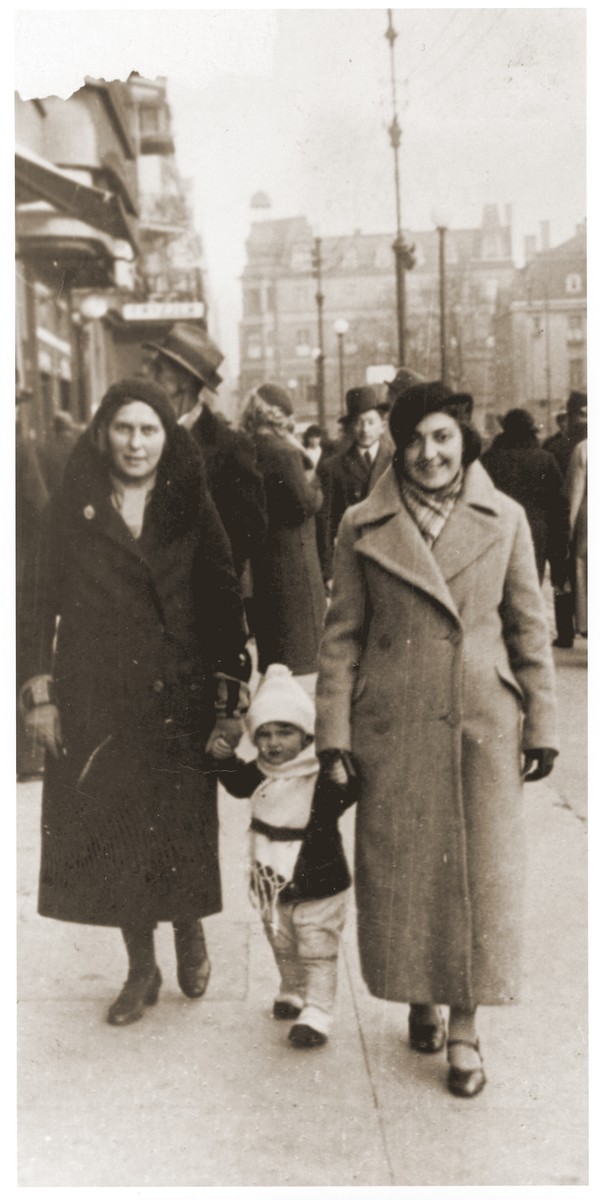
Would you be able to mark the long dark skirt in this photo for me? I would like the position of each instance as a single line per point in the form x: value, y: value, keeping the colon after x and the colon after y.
x: 132, y: 841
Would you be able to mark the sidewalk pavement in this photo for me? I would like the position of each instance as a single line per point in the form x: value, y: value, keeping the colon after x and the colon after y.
x: 209, y: 1092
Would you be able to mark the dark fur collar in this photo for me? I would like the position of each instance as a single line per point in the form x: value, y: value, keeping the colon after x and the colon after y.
x: 179, y: 498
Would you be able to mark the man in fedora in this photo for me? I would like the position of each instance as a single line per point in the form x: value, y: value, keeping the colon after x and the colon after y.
x: 186, y: 362
x: 348, y: 476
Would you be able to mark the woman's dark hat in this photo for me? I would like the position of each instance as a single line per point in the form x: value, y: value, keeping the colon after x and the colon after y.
x: 135, y: 388
x: 417, y: 401
x: 277, y: 397
x: 360, y: 400
x: 191, y: 347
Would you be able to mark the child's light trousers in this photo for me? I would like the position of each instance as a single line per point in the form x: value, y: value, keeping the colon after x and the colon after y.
x: 305, y: 939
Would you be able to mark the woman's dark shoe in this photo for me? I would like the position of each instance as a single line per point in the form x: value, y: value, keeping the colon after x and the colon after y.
x: 284, y: 1011
x: 136, y: 993
x: 463, y: 1083
x: 193, y: 964
x: 426, y: 1037
x: 304, y: 1037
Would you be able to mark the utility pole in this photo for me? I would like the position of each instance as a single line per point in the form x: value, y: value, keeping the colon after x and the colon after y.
x: 320, y: 357
x: 442, y: 261
x: 403, y: 254
x: 548, y: 368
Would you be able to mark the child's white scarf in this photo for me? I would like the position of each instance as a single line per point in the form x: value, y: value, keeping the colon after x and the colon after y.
x: 283, y: 799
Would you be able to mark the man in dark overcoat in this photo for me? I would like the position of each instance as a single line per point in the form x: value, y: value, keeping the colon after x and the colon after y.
x: 186, y: 363
x: 348, y: 476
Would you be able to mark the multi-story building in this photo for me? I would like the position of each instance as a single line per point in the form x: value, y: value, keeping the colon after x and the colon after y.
x: 107, y: 255
x: 170, y: 283
x: 279, y: 330
x: 76, y: 239
x: 541, y: 330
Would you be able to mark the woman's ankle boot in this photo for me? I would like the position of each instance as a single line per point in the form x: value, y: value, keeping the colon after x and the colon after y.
x: 143, y: 980
x: 193, y: 965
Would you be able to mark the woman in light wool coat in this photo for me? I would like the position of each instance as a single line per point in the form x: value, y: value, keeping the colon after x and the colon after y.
x: 436, y: 676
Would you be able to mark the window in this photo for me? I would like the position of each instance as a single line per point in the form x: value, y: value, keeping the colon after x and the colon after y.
x: 301, y: 259
x: 577, y: 373
x: 149, y: 118
x: 573, y: 282
x: 575, y: 329
x: 254, y: 347
x: 302, y: 343
x: 252, y: 303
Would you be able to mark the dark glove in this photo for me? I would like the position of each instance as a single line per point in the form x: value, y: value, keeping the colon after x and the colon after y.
x: 544, y: 758
x: 232, y: 697
x: 338, y: 765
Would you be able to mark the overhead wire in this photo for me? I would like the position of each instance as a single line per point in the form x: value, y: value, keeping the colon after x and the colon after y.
x: 429, y: 65
x: 433, y: 87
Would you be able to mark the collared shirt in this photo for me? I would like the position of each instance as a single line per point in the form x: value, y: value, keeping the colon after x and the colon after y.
x: 189, y: 418
x: 371, y: 451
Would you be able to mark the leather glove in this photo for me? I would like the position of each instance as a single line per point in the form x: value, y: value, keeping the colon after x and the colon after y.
x: 544, y: 758
x: 232, y: 696
x: 226, y: 729
x: 338, y: 766
x: 42, y: 725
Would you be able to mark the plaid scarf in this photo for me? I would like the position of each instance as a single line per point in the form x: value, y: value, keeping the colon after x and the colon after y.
x: 430, y: 510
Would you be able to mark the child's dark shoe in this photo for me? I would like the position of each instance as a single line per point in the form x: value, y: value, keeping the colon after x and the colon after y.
x: 284, y: 1011
x: 304, y: 1037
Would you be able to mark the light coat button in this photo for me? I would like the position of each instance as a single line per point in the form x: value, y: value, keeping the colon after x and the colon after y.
x: 158, y: 686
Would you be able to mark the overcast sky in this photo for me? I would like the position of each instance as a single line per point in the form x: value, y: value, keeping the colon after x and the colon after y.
x: 297, y: 103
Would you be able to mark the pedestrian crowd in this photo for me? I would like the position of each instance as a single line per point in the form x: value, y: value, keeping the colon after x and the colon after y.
x: 385, y: 589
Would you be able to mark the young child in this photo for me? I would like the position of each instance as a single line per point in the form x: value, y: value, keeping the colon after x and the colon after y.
x: 299, y: 874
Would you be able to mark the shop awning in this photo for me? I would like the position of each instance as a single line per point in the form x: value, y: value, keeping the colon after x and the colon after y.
x: 38, y: 179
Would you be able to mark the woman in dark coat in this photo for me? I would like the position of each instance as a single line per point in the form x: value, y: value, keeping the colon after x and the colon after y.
x: 520, y: 467
x: 436, y: 676
x: 289, y: 593
x: 135, y: 564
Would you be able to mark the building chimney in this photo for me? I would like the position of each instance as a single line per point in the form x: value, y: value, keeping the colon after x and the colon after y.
x: 530, y: 247
x: 545, y: 234
x: 490, y: 219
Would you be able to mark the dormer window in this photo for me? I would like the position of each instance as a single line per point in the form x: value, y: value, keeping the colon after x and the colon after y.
x: 573, y: 282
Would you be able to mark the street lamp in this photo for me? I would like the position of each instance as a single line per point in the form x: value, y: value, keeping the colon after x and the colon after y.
x: 317, y: 357
x: 340, y: 328
x: 403, y: 254
x: 440, y: 220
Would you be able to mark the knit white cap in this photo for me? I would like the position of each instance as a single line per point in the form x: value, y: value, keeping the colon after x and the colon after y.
x: 280, y: 698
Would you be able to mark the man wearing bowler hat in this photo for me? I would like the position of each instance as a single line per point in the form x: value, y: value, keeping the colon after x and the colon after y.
x: 348, y: 476
x: 185, y: 362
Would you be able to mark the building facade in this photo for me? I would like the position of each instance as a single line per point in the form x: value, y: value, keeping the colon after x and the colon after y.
x: 279, y: 334
x: 541, y: 331
x: 106, y: 252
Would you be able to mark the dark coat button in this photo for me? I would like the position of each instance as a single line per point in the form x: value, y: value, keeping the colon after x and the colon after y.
x: 385, y: 641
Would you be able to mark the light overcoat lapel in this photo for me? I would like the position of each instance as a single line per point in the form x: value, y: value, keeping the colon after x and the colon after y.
x: 473, y: 526
x: 389, y: 535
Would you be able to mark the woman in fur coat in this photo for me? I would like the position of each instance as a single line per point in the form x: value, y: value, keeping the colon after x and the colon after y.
x: 135, y: 573
x: 289, y: 593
